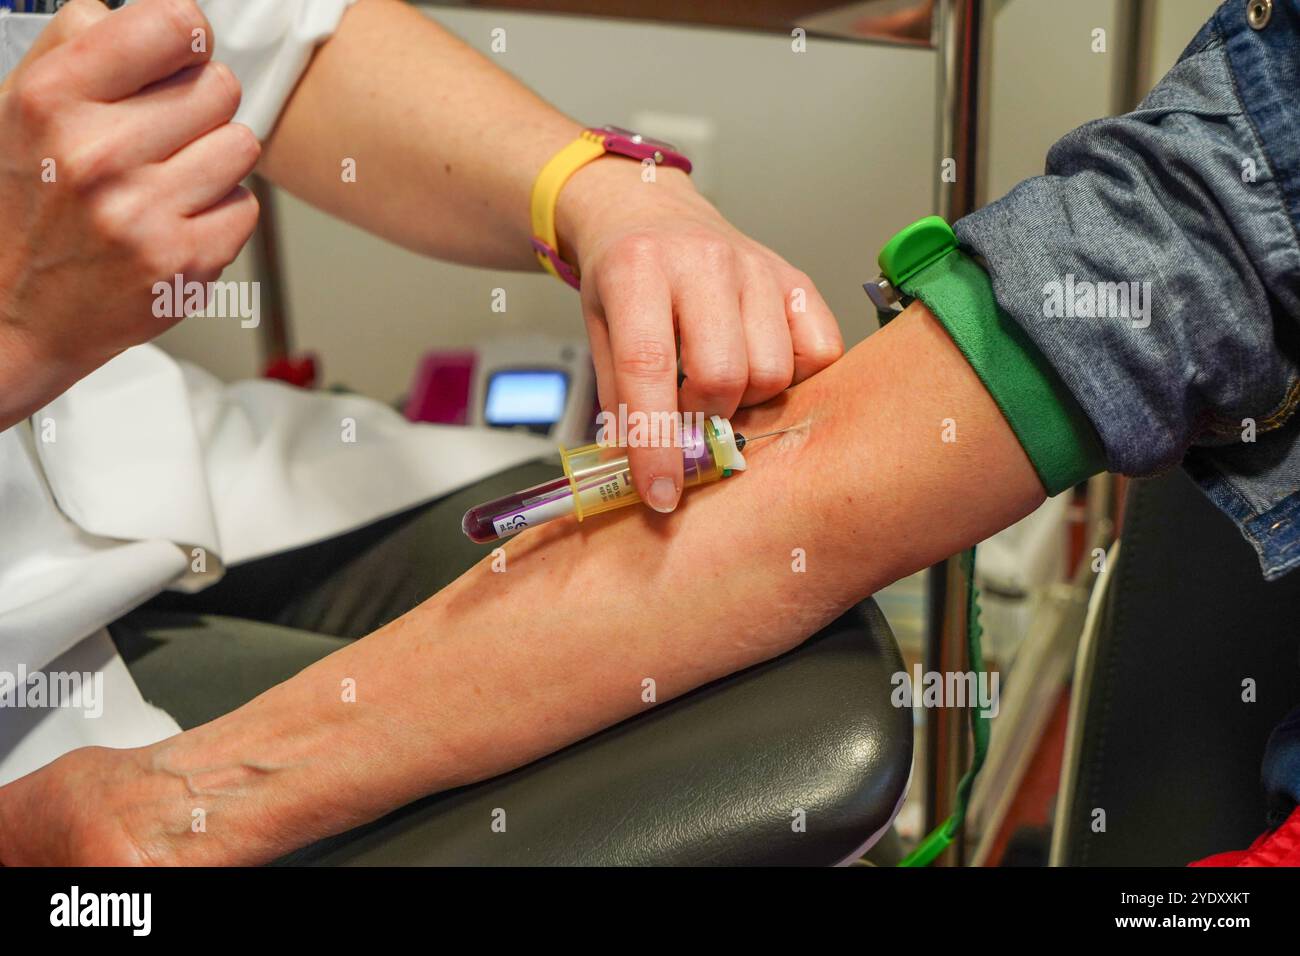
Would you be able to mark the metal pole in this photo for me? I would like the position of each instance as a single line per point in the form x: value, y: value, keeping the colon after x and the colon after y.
x: 1134, y: 39
x: 960, y: 38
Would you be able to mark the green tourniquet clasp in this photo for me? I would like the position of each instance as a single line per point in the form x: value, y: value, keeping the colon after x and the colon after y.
x: 914, y: 247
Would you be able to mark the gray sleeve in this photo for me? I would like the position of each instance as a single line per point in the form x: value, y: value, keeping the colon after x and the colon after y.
x: 267, y: 45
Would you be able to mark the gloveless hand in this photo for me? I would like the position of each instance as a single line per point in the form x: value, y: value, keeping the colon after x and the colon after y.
x: 85, y: 809
x: 660, y: 266
x: 120, y: 169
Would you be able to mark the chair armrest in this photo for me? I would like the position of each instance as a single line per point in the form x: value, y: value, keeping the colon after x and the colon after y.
x: 714, y: 777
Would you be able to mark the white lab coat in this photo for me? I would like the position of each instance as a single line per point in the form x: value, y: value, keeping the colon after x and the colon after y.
x: 150, y: 473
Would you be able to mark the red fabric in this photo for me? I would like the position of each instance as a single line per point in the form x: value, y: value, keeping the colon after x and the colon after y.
x: 1280, y: 847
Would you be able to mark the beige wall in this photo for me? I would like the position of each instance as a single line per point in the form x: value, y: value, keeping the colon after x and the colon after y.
x: 1044, y: 81
x: 1175, y: 23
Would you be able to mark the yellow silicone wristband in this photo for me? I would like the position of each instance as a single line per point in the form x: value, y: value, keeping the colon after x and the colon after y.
x: 546, y: 189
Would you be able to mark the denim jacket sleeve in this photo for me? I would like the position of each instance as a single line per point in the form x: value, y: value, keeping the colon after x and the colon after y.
x: 1156, y: 265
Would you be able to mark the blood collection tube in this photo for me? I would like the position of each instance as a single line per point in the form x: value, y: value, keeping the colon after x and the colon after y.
x: 598, y: 478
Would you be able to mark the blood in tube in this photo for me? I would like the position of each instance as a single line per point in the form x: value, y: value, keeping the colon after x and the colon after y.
x: 510, y: 514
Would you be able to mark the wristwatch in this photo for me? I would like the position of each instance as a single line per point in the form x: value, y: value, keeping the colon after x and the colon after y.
x: 590, y: 145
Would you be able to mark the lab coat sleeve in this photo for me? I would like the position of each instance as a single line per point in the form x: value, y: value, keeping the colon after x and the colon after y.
x: 268, y: 44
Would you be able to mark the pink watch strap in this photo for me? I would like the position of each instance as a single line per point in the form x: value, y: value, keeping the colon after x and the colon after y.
x: 562, y: 268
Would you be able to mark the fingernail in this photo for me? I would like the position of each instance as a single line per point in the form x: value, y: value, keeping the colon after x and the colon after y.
x: 663, y: 495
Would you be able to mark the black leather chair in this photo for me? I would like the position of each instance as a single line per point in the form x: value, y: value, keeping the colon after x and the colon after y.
x: 715, y: 777
x: 1162, y: 740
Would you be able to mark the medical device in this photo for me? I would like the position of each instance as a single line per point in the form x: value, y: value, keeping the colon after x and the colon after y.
x: 536, y: 384
x: 599, y: 478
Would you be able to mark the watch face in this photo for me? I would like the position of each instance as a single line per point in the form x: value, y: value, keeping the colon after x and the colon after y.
x: 639, y: 140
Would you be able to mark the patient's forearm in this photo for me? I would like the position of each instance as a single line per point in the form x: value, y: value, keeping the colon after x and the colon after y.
x: 500, y: 668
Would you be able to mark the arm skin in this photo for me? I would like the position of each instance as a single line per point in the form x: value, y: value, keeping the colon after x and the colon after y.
x: 500, y: 668
x: 434, y: 127
x: 447, y: 146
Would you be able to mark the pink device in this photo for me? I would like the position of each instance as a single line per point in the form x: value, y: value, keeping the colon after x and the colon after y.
x: 441, y: 391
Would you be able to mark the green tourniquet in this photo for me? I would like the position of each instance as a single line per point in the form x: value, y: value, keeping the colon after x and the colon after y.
x: 1055, y: 434
x: 923, y: 262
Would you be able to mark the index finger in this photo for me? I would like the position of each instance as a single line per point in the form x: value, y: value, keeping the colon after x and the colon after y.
x: 814, y: 332
x: 135, y: 47
x: 639, y: 315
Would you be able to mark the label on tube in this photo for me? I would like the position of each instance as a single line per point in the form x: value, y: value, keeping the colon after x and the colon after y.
x: 611, y: 488
x: 515, y: 521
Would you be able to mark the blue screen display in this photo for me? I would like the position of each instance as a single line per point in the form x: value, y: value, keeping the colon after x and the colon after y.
x: 518, y: 397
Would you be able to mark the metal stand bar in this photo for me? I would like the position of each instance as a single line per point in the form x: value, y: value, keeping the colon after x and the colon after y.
x: 960, y: 42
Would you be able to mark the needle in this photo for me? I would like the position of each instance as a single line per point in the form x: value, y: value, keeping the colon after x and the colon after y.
x: 742, y: 441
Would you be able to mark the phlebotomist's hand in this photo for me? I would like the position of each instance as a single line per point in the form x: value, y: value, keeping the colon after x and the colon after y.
x: 660, y: 266
x: 120, y: 169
